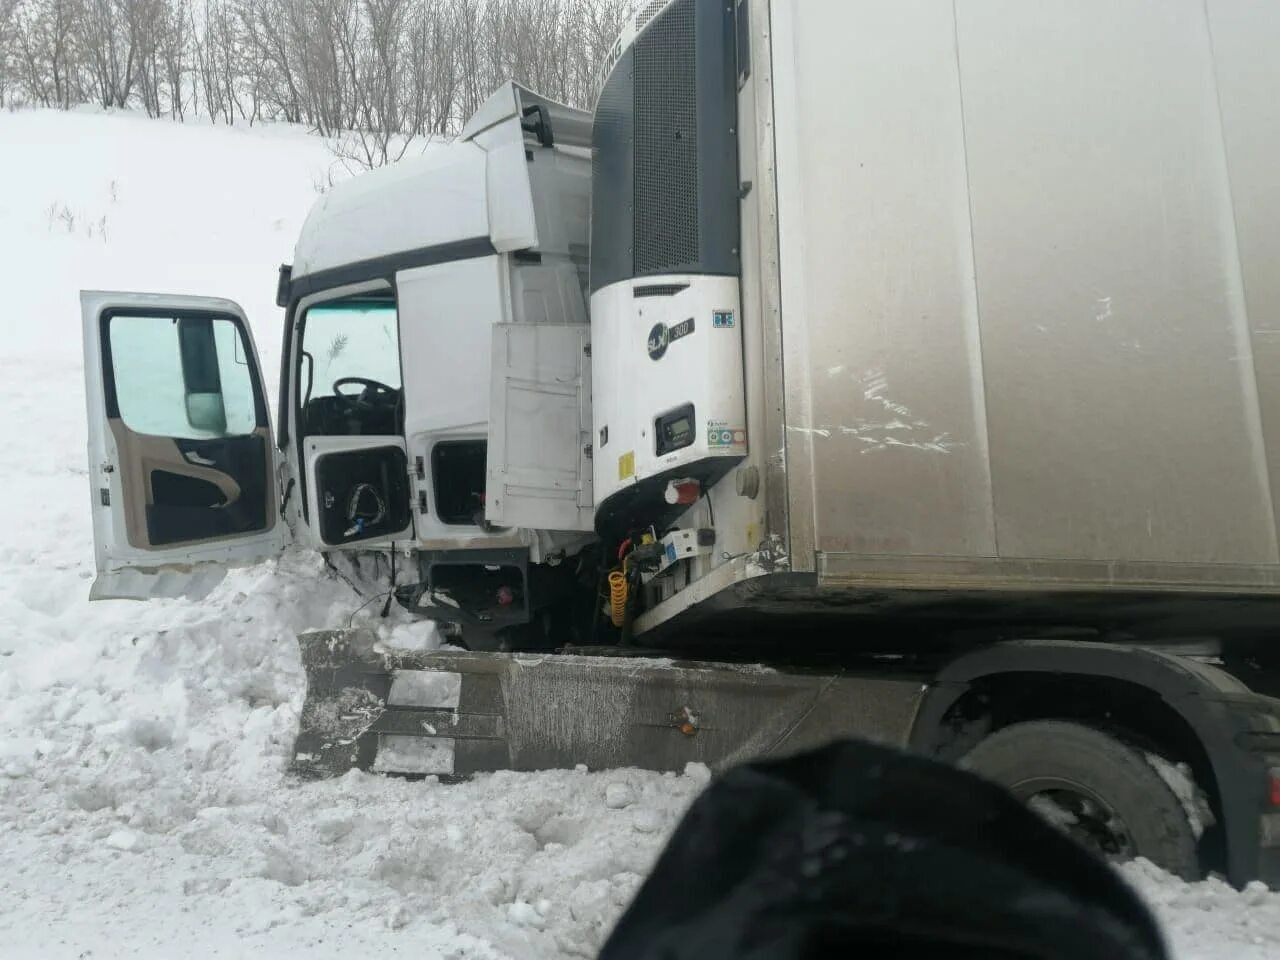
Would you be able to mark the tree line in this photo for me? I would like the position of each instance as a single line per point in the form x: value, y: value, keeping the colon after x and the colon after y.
x: 390, y: 69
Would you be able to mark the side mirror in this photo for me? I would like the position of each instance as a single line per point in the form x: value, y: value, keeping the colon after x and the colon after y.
x: 206, y: 411
x: 200, y: 376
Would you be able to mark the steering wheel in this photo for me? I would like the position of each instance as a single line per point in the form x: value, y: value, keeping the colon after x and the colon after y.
x: 368, y: 398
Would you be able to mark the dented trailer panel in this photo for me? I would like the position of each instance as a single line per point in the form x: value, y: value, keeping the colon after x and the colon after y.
x: 1029, y: 331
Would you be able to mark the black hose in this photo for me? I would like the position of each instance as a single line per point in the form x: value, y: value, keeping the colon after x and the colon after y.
x: 386, y: 607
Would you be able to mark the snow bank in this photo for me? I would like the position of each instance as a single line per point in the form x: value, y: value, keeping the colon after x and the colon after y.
x: 143, y: 810
x: 1210, y: 920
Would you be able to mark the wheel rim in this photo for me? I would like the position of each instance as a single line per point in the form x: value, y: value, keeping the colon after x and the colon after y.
x: 1080, y: 813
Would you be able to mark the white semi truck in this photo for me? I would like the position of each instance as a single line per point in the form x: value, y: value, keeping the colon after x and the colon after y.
x: 924, y: 352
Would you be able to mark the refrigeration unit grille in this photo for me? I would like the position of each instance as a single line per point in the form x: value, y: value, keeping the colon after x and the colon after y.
x: 666, y: 142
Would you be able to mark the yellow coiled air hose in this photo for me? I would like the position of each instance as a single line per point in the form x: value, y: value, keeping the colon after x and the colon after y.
x: 617, y: 597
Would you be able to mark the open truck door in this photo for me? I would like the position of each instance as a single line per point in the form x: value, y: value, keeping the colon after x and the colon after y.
x: 181, y: 457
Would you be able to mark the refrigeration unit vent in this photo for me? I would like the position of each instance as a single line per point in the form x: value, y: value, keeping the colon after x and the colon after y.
x: 666, y: 142
x: 664, y: 181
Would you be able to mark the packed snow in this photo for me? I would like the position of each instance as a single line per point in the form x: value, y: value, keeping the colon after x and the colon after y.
x: 144, y: 810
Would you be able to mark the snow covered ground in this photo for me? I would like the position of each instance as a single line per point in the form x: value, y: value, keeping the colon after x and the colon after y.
x: 143, y: 811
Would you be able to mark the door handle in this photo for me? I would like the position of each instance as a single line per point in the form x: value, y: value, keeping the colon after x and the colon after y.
x: 192, y: 457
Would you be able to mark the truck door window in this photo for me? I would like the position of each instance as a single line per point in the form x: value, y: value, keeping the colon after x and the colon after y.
x: 184, y: 378
x: 350, y: 369
x: 186, y: 416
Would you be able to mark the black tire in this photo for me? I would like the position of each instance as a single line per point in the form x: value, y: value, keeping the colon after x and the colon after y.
x: 1069, y: 763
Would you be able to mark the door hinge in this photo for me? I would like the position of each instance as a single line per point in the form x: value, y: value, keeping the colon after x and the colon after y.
x: 108, y: 467
x: 420, y: 468
x: 422, y: 501
x: 104, y: 494
x: 587, y: 451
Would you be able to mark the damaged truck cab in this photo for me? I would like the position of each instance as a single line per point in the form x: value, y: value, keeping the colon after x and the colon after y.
x: 463, y: 274
x: 423, y: 297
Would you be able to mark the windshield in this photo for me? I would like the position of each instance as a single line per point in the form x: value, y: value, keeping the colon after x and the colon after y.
x: 349, y: 339
x: 349, y: 370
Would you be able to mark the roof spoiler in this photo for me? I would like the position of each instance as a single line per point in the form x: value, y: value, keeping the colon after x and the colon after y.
x: 551, y: 122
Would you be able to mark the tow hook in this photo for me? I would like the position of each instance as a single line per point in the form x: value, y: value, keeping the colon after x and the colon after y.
x: 686, y: 721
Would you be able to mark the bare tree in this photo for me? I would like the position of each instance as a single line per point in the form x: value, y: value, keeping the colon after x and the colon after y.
x: 593, y: 26
x: 8, y: 40
x: 106, y: 46
x: 467, y: 21
x: 271, y: 57
x: 172, y: 51
x: 216, y: 51
x: 324, y: 31
x: 46, y: 48
x: 147, y: 22
x: 376, y: 138
x: 374, y: 75
x: 441, y: 78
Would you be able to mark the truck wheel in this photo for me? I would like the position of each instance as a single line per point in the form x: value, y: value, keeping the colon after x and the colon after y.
x: 1099, y: 790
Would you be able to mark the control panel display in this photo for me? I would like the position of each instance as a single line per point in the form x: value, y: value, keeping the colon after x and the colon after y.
x: 675, y: 430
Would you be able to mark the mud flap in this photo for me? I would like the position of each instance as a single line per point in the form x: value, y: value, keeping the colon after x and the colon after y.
x: 455, y: 713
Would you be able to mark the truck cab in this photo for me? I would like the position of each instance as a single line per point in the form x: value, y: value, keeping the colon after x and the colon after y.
x: 423, y: 298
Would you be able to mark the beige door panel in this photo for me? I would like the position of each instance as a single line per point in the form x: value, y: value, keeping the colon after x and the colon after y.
x: 139, y: 455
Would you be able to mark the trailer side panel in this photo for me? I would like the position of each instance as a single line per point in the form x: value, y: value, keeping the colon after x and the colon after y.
x: 1028, y: 329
